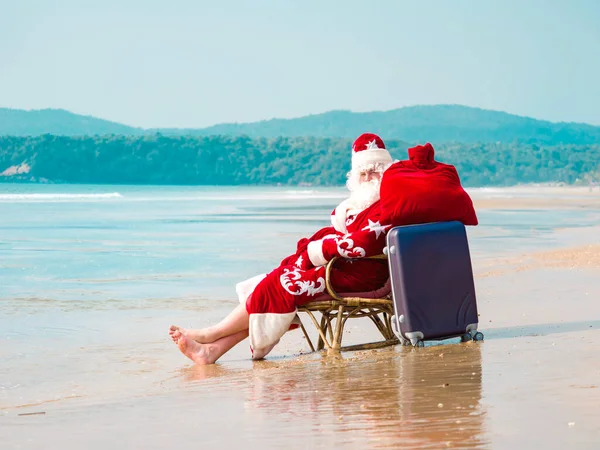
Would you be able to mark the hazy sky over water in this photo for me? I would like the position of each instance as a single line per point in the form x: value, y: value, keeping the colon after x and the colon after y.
x: 192, y: 63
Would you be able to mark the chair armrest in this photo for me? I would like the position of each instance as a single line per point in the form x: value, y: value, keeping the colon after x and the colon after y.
x: 330, y: 265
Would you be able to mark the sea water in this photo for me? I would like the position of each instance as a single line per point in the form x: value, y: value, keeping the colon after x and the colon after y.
x: 95, y: 244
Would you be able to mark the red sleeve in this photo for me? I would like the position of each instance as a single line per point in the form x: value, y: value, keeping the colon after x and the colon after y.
x: 303, y: 244
x: 368, y: 241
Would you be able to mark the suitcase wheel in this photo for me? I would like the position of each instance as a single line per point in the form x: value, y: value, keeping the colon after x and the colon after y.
x: 466, y: 337
x: 478, y: 336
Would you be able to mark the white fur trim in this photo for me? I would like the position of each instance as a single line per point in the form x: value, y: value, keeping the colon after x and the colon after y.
x: 374, y: 156
x: 315, y: 253
x: 266, y: 330
x: 339, y: 216
x: 341, y: 213
x: 244, y: 288
x: 260, y: 353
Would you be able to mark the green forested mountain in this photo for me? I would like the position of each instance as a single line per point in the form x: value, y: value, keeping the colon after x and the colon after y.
x: 436, y: 123
x: 214, y: 160
x: 17, y: 122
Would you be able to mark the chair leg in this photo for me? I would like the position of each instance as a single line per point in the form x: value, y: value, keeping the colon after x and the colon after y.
x: 322, y: 335
x: 328, y: 318
x: 374, y: 316
x: 312, y: 349
x: 384, y: 325
x: 387, y: 317
x: 339, y: 328
x: 320, y: 342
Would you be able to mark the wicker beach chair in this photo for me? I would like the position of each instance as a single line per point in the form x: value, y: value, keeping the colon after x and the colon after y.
x: 336, y: 308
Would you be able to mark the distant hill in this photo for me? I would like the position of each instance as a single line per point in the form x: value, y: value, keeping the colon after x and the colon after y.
x: 18, y: 122
x: 436, y: 123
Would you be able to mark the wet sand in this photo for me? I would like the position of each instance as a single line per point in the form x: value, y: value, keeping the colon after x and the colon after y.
x: 529, y: 198
x: 533, y: 383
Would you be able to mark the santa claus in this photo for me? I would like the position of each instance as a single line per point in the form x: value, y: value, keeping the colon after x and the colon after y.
x: 268, y: 302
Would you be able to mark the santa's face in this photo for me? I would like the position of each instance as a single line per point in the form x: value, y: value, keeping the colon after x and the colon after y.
x: 368, y: 175
x: 365, y: 190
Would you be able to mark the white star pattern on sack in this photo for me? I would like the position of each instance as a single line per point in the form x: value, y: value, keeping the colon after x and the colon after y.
x: 292, y: 281
x: 299, y: 262
x: 372, y: 145
x: 376, y: 227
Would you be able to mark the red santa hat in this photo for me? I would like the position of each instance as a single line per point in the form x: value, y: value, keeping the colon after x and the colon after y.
x: 369, y: 149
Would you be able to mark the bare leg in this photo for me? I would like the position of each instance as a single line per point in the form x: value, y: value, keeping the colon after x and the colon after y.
x: 203, y: 354
x: 237, y: 320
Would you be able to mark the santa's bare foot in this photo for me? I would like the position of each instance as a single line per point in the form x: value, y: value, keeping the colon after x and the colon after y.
x: 201, y: 354
x: 201, y: 336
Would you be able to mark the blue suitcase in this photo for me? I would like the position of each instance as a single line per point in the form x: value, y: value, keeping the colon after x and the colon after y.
x: 432, y: 283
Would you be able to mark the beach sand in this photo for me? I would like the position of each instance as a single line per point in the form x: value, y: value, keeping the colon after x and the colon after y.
x: 533, y: 383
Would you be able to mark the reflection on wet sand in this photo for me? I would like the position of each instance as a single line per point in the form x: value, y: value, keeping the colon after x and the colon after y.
x: 426, y: 398
x: 199, y: 373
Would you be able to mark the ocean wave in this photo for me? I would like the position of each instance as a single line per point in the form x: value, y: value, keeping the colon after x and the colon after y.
x: 301, y: 192
x: 55, y: 196
x: 237, y: 197
x: 283, y: 196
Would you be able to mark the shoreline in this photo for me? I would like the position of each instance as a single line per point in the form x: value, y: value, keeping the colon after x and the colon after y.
x: 527, y: 187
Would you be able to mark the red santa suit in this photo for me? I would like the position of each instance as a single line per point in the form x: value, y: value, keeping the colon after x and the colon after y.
x: 271, y: 299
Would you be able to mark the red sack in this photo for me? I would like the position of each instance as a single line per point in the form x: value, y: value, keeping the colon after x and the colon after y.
x: 422, y: 190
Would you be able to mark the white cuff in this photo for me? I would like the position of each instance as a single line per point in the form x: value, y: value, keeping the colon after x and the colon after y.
x: 315, y: 253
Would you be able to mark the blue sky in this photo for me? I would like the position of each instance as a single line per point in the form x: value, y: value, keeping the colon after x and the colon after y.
x: 191, y: 63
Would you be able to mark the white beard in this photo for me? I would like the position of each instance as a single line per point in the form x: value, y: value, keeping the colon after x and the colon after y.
x: 364, y: 194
